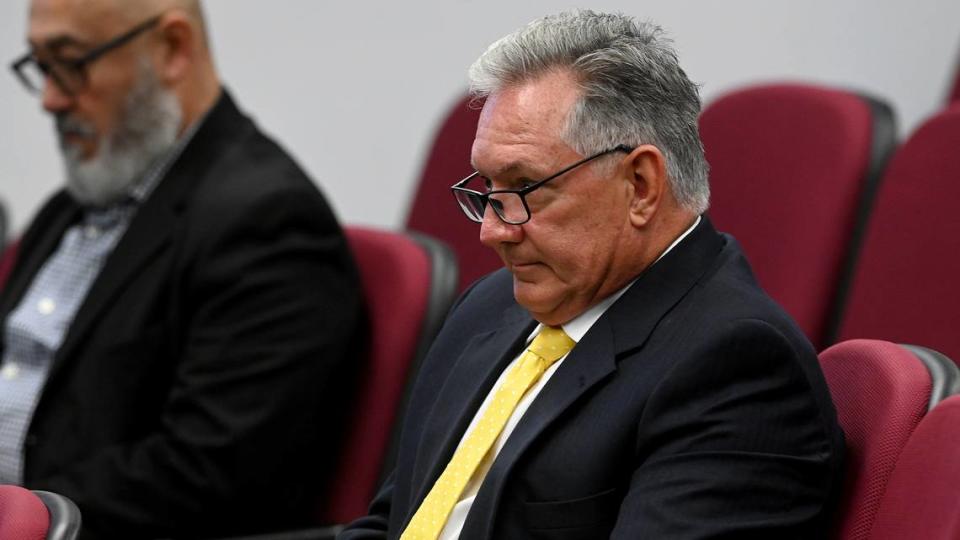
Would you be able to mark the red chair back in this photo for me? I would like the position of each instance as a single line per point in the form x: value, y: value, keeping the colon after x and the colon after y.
x: 923, y: 495
x: 23, y: 516
x: 408, y: 286
x: 904, y: 287
x: 791, y: 168
x: 881, y: 391
x: 434, y: 210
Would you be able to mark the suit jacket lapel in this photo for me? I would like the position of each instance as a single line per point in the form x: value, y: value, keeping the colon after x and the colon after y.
x: 591, y: 361
x: 149, y: 231
x: 470, y: 380
x: 644, y: 306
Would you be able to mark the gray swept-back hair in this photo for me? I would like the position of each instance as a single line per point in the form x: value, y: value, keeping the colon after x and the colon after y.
x: 633, y: 90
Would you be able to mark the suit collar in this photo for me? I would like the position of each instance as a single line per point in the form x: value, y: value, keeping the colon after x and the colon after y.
x: 661, y: 286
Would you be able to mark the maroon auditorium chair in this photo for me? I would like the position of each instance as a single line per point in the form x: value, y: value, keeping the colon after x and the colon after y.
x: 409, y: 283
x: 905, y: 287
x: 923, y: 495
x: 792, y: 171
x: 434, y: 210
x: 36, y: 515
x: 881, y: 391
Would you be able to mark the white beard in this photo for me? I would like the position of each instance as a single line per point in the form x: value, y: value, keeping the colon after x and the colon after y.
x: 147, y: 130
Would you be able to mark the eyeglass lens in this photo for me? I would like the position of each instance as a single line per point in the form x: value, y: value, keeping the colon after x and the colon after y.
x: 34, y: 74
x: 509, y: 206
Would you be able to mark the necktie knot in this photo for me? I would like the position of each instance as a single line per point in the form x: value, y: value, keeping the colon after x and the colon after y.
x: 551, y: 344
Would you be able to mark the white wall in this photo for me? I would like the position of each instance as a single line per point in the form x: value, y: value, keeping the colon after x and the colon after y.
x: 355, y: 89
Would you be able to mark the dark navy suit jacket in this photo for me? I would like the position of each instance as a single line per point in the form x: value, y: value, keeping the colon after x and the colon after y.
x: 693, y: 408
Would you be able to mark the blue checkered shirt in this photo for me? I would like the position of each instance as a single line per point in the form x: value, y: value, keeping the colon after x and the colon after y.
x: 34, y: 330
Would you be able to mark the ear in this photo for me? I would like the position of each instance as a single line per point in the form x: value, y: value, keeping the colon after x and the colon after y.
x: 178, y: 37
x: 648, y: 168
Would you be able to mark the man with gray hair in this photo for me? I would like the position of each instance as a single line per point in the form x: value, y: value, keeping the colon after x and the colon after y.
x: 181, y: 328
x: 623, y: 376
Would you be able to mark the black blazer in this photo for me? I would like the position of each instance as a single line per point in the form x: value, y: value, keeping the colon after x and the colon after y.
x: 199, y: 390
x: 693, y: 408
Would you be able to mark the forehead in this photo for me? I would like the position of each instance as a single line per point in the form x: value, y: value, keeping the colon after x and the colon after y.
x: 85, y: 22
x: 525, y: 122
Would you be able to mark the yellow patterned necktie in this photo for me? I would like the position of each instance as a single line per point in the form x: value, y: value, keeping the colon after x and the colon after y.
x: 549, y: 346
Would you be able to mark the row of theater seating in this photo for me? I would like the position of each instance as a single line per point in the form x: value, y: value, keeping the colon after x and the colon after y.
x: 797, y: 172
x: 898, y: 406
x: 854, y: 234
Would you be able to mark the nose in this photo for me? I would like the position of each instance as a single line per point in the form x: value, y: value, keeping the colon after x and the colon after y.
x: 54, y: 99
x: 493, y: 230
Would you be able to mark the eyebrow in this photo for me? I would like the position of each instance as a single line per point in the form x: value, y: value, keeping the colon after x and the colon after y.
x: 59, y: 42
x: 511, y: 168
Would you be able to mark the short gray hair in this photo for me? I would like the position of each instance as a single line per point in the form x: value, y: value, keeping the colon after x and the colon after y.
x: 633, y: 90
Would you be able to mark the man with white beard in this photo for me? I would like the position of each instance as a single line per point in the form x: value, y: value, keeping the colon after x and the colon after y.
x: 149, y: 124
x: 179, y: 333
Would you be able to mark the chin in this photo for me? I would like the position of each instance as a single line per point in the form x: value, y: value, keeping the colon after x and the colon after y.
x: 87, y: 153
x: 542, y: 304
x: 77, y: 151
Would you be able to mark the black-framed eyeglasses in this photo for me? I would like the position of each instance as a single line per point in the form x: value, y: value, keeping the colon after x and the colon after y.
x: 510, y: 205
x: 70, y: 74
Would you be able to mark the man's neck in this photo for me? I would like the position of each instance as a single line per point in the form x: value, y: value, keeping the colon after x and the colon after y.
x: 197, y: 100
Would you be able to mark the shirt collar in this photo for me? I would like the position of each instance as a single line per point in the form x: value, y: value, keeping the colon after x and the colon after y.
x: 142, y: 188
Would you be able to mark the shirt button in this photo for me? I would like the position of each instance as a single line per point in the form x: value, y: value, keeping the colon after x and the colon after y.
x: 9, y: 371
x: 91, y: 231
x: 46, y: 306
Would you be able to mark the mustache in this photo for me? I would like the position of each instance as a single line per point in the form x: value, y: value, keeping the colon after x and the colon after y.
x: 67, y: 125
